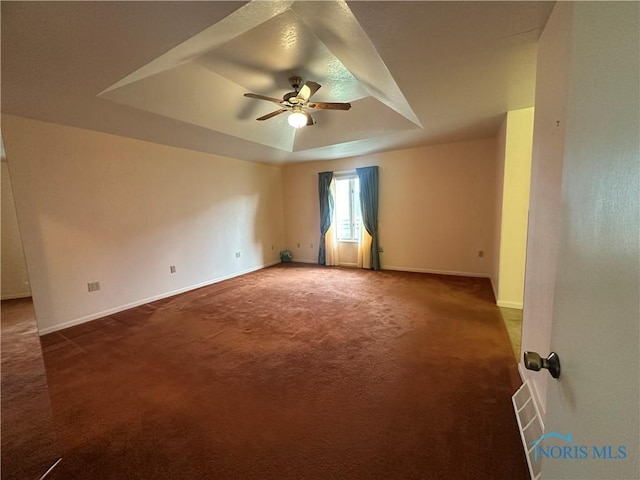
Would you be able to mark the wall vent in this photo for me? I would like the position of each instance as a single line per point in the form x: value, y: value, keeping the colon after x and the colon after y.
x: 530, y: 425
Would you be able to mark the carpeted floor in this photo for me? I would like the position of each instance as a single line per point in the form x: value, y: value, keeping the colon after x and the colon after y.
x: 512, y: 318
x: 29, y: 445
x: 292, y: 372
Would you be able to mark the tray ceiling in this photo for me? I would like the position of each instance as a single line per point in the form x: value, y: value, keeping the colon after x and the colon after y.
x: 416, y: 73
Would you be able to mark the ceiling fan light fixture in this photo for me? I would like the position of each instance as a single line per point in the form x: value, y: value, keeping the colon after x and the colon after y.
x: 297, y: 103
x: 297, y: 119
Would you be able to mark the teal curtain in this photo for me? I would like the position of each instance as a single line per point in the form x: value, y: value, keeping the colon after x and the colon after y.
x: 326, y: 212
x: 368, y: 177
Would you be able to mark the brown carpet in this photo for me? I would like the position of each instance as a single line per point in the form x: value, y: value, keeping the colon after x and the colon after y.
x: 292, y: 372
x: 29, y: 445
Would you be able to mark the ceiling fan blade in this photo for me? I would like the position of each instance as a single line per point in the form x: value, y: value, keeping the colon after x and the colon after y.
x: 329, y: 106
x: 308, y: 89
x: 262, y: 97
x: 272, y: 114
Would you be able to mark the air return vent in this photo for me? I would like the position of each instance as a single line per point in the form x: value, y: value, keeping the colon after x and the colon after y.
x: 530, y: 425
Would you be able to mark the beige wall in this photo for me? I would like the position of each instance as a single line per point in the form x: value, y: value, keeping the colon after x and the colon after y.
x: 98, y: 207
x: 436, y: 207
x: 501, y: 145
x: 348, y: 254
x: 15, y: 281
x: 518, y: 138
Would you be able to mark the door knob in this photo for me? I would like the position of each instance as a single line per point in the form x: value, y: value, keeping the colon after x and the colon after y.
x: 533, y: 361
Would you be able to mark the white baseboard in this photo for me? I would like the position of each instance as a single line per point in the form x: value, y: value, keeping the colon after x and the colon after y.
x: 137, y: 303
x: 504, y: 304
x: 523, y: 377
x: 304, y: 260
x: 437, y: 272
x: 315, y: 261
x: 13, y: 296
x: 495, y: 290
x: 404, y: 269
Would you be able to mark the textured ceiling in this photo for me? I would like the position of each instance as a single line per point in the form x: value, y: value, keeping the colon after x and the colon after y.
x: 256, y: 49
x: 416, y: 73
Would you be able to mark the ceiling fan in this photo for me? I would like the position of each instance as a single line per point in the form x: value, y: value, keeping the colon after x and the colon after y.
x: 297, y: 102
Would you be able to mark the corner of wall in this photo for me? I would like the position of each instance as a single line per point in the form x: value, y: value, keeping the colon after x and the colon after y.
x: 518, y: 143
x: 501, y: 144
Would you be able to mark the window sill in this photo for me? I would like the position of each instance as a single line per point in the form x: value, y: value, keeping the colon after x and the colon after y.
x: 347, y: 241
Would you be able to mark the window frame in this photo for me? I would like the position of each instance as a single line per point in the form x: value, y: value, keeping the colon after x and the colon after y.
x: 354, y: 230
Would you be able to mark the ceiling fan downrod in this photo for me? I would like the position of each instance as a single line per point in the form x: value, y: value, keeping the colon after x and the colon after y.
x: 295, y: 83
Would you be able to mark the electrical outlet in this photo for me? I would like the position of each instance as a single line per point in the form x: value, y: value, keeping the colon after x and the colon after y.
x: 298, y: 244
x: 172, y: 269
x: 238, y: 254
x: 480, y: 253
x: 93, y: 286
x: 380, y: 249
x: 272, y: 247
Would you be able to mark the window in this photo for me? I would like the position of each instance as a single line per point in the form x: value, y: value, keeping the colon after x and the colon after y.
x: 348, y: 208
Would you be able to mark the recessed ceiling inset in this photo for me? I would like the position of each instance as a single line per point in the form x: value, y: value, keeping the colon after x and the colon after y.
x: 256, y: 49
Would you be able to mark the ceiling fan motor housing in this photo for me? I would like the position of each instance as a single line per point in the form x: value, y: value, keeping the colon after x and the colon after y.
x: 291, y: 97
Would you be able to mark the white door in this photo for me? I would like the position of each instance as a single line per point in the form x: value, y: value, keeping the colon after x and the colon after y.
x: 594, y: 406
